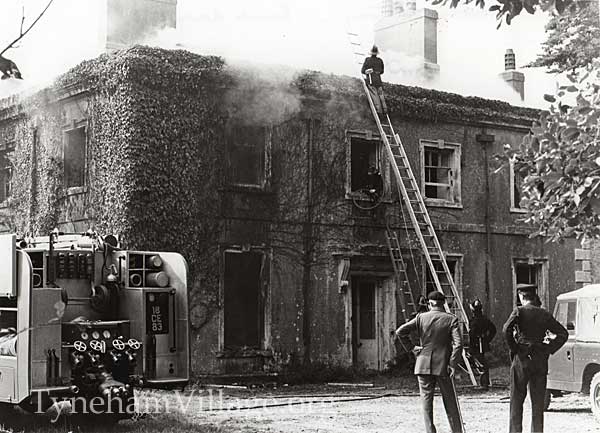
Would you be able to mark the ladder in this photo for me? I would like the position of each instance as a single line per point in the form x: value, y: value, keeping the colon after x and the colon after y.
x: 410, y: 194
x: 407, y: 300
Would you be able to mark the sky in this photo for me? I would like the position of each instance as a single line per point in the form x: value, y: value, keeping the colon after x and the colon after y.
x: 308, y: 34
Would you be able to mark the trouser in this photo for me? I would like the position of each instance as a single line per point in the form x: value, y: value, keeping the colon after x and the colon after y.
x: 525, y: 372
x: 378, y: 99
x: 427, y: 384
x: 484, y: 379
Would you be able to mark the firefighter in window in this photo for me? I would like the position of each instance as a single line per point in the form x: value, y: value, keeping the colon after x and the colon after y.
x: 374, y: 185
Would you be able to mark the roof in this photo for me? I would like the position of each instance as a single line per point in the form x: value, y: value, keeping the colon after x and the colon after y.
x: 157, y: 67
x: 589, y: 291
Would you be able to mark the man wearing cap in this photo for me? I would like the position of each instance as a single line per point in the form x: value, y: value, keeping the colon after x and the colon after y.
x: 481, y: 333
x: 373, y: 69
x: 437, y: 356
x: 524, y: 332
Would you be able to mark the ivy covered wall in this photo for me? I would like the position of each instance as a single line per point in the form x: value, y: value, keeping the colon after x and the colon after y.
x: 157, y: 175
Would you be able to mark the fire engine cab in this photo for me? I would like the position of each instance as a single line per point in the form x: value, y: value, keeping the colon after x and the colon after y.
x: 80, y: 317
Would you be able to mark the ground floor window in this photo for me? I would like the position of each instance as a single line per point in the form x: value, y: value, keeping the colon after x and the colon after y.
x: 243, y: 320
x: 531, y: 271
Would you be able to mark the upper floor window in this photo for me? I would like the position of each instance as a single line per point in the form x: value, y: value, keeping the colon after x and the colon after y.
x: 6, y: 170
x: 248, y: 155
x: 366, y: 172
x: 516, y: 182
x: 74, y: 152
x: 441, y: 172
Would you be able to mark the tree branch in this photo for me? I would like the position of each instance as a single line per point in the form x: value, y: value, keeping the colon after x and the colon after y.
x: 23, y: 33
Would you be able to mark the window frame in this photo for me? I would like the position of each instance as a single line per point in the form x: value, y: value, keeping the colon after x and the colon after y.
x: 8, y: 149
x: 542, y: 278
x: 69, y: 190
x: 455, y: 165
x: 265, y: 181
x: 266, y: 278
x: 514, y: 206
x: 381, y: 161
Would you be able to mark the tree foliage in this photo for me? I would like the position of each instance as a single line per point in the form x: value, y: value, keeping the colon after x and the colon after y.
x: 560, y: 161
x: 509, y: 9
x: 573, y: 40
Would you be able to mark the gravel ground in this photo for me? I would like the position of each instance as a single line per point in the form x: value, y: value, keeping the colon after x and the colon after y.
x: 482, y: 413
x: 390, y: 404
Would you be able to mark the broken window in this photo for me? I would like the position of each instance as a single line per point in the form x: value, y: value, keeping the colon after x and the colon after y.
x: 531, y: 272
x: 6, y: 170
x: 74, y: 157
x: 247, y: 148
x: 243, y: 300
x: 364, y: 165
x: 441, y: 172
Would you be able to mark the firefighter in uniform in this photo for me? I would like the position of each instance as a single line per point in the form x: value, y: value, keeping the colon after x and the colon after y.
x: 437, y: 356
x: 524, y: 332
x: 481, y: 333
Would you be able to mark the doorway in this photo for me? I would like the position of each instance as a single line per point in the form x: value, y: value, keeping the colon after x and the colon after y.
x: 373, y: 319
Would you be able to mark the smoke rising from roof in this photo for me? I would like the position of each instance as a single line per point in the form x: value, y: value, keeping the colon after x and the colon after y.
x: 302, y: 35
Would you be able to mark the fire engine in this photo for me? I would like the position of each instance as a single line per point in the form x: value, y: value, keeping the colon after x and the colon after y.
x: 82, y: 319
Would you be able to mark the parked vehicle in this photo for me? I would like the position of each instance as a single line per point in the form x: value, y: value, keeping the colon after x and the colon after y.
x: 576, y: 366
x: 82, y: 320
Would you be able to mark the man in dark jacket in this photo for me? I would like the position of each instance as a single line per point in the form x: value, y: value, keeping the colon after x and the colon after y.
x: 437, y: 356
x: 373, y: 69
x: 481, y: 333
x: 524, y: 332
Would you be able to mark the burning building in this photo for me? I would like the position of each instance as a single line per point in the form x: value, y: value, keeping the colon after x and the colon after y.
x: 258, y: 184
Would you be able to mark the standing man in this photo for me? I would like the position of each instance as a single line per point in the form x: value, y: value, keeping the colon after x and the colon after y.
x: 524, y: 332
x: 481, y: 333
x: 437, y: 357
x: 373, y: 69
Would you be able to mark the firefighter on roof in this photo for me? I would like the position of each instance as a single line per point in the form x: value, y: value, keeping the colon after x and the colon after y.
x: 373, y: 70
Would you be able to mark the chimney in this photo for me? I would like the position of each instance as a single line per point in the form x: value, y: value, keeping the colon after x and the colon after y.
x: 387, y: 8
x: 513, y: 78
x: 412, y: 32
x: 398, y: 7
x: 131, y: 22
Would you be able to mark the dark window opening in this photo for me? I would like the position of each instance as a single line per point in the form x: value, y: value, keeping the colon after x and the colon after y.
x: 6, y: 171
x: 439, y: 173
x: 243, y: 307
x: 74, y: 157
x: 364, y: 169
x: 527, y: 274
x: 246, y: 146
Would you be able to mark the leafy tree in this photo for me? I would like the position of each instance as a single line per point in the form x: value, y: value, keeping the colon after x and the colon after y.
x: 509, y: 9
x: 560, y: 161
x: 573, y: 40
x: 8, y: 68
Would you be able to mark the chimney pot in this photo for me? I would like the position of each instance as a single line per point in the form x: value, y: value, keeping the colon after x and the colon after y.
x: 509, y: 60
x: 387, y: 8
x: 411, y: 5
x: 398, y: 7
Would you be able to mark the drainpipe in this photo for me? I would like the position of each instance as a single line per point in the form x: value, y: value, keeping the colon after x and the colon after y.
x: 307, y: 256
x: 487, y: 140
x: 34, y: 180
